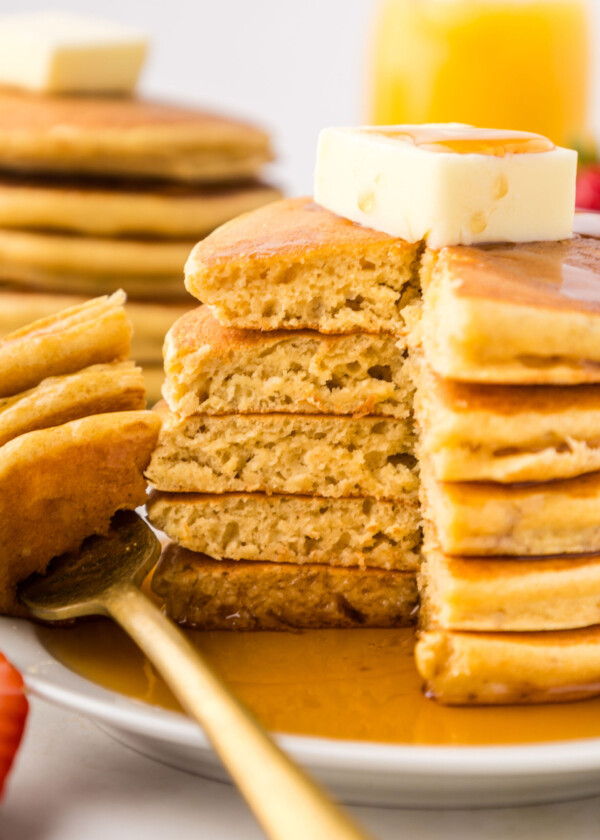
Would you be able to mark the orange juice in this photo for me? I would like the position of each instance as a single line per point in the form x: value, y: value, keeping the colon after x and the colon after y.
x: 513, y: 64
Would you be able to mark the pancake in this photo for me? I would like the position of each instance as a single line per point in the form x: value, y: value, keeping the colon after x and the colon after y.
x: 224, y: 595
x: 150, y: 321
x: 126, y: 208
x: 91, y: 266
x: 125, y: 136
x: 475, y: 432
x: 99, y: 389
x: 514, y: 314
x: 294, y: 265
x: 291, y: 529
x: 493, y: 668
x: 94, y: 332
x: 511, y: 594
x: 557, y: 517
x: 317, y: 455
x: 215, y: 370
x: 60, y: 485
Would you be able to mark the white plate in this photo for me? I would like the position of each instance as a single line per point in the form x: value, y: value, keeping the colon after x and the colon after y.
x: 356, y: 772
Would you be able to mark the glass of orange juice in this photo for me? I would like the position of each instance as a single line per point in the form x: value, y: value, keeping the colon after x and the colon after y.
x: 514, y: 64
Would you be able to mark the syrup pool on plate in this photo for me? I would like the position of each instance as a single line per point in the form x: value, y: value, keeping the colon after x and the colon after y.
x: 352, y: 684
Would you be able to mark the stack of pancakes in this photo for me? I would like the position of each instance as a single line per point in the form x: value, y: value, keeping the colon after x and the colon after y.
x: 101, y: 193
x: 508, y: 404
x: 285, y: 471
x: 287, y: 446
x: 74, y: 440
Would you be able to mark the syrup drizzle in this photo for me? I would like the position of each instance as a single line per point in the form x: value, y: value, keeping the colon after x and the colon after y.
x: 465, y: 140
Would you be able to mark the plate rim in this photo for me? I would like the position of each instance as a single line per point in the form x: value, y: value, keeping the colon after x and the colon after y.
x: 50, y: 680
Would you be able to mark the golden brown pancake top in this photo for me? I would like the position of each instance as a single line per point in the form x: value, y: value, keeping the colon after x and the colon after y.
x: 28, y: 113
x: 289, y: 230
x: 551, y: 275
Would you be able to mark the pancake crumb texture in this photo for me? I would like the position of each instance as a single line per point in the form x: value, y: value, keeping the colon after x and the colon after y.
x: 214, y: 370
x: 292, y: 529
x: 293, y: 265
x: 315, y: 455
x: 224, y: 595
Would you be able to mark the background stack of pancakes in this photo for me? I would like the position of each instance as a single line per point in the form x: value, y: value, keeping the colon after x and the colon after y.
x: 74, y: 440
x: 287, y: 444
x: 99, y: 193
x: 510, y: 460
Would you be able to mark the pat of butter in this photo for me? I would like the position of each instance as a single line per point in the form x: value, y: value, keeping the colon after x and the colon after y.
x: 448, y: 184
x: 55, y: 52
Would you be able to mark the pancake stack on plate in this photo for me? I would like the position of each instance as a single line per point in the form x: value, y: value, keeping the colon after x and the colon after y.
x: 74, y: 440
x: 99, y: 193
x: 285, y: 471
x: 509, y: 410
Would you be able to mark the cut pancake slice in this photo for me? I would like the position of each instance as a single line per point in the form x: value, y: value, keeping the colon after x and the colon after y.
x: 226, y: 595
x: 295, y: 265
x: 92, y: 333
x: 125, y: 136
x: 150, y: 321
x: 312, y: 454
x: 292, y: 529
x: 474, y: 432
x: 556, y: 517
x: 527, y: 313
x: 99, y: 389
x: 510, y: 594
x: 218, y: 370
x: 87, y: 265
x: 63, y: 484
x: 499, y: 668
x: 125, y: 208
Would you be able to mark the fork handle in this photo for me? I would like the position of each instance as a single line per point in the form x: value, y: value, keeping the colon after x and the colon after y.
x: 286, y: 802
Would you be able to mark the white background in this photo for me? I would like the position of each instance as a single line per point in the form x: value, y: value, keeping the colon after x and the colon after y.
x: 293, y: 65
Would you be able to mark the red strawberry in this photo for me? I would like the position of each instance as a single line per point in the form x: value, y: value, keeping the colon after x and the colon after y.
x: 13, y: 712
x: 588, y: 187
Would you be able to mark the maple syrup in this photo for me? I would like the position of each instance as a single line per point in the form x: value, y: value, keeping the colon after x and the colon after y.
x: 351, y: 684
x: 467, y: 140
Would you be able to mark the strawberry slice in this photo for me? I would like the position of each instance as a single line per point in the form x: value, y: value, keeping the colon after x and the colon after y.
x: 588, y: 187
x: 13, y: 712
